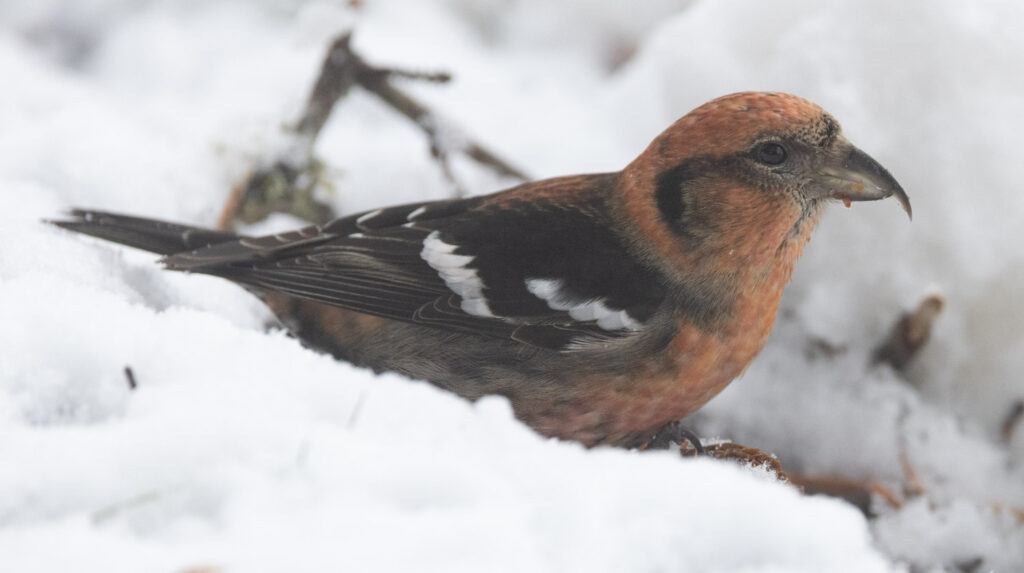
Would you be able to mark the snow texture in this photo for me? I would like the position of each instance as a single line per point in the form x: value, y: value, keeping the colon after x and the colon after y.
x: 242, y: 451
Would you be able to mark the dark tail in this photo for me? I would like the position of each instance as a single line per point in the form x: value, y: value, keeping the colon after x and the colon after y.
x: 147, y: 234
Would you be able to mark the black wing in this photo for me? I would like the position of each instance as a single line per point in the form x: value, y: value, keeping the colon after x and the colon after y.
x: 541, y: 271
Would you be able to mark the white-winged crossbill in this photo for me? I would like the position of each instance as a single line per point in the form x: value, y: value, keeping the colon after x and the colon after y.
x: 604, y: 306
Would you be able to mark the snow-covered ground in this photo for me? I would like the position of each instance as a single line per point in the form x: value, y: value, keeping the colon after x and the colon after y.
x: 242, y: 451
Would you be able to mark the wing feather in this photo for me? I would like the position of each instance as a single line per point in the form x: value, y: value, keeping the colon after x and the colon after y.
x: 472, y: 265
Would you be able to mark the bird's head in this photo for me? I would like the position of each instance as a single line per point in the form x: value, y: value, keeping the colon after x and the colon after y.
x: 746, y: 175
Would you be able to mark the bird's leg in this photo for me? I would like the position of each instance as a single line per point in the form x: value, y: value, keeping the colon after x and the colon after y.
x: 675, y: 433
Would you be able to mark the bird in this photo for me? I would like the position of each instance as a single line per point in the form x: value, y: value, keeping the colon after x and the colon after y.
x: 605, y: 307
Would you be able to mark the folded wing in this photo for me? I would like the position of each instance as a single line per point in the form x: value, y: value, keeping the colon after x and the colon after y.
x: 549, y: 272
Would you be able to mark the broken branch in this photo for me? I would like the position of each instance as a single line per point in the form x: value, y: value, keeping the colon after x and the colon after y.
x: 287, y: 183
x: 910, y: 333
x: 1012, y: 421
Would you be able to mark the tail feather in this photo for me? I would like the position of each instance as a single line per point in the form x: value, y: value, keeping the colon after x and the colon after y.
x: 148, y: 234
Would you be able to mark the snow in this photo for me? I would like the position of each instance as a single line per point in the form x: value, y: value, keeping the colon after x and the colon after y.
x: 242, y: 451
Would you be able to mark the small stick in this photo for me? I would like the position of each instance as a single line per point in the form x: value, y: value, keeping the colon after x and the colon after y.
x: 337, y: 76
x: 738, y: 453
x: 353, y: 417
x: 859, y: 493
x: 1012, y: 421
x: 912, y: 485
x: 229, y: 212
x: 377, y: 82
x: 910, y: 333
x: 286, y: 185
x: 130, y: 377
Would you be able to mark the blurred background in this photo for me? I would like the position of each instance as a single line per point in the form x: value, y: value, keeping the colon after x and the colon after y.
x: 160, y: 108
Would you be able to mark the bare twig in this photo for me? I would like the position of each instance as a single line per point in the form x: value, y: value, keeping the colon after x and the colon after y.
x: 287, y: 183
x: 337, y: 76
x: 378, y: 83
x: 863, y: 492
x: 910, y: 333
x: 356, y: 410
x: 859, y: 493
x: 232, y: 206
x: 129, y: 375
x: 285, y: 186
x: 436, y: 77
x: 1012, y: 421
x: 969, y: 565
x: 738, y: 453
x: 912, y: 484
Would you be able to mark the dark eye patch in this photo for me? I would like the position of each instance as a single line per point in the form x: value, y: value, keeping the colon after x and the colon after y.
x: 669, y: 193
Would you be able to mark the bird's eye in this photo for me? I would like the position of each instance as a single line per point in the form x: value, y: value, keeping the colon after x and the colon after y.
x: 770, y: 153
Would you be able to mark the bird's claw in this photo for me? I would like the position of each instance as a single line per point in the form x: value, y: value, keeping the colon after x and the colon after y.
x: 675, y: 433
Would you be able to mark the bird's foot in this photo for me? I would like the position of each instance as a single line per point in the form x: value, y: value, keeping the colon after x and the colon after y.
x: 675, y: 433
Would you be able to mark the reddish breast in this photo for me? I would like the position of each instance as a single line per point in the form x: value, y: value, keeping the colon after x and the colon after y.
x: 700, y: 361
x: 694, y: 368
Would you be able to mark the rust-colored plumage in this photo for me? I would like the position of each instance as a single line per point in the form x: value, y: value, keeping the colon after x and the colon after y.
x: 603, y: 306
